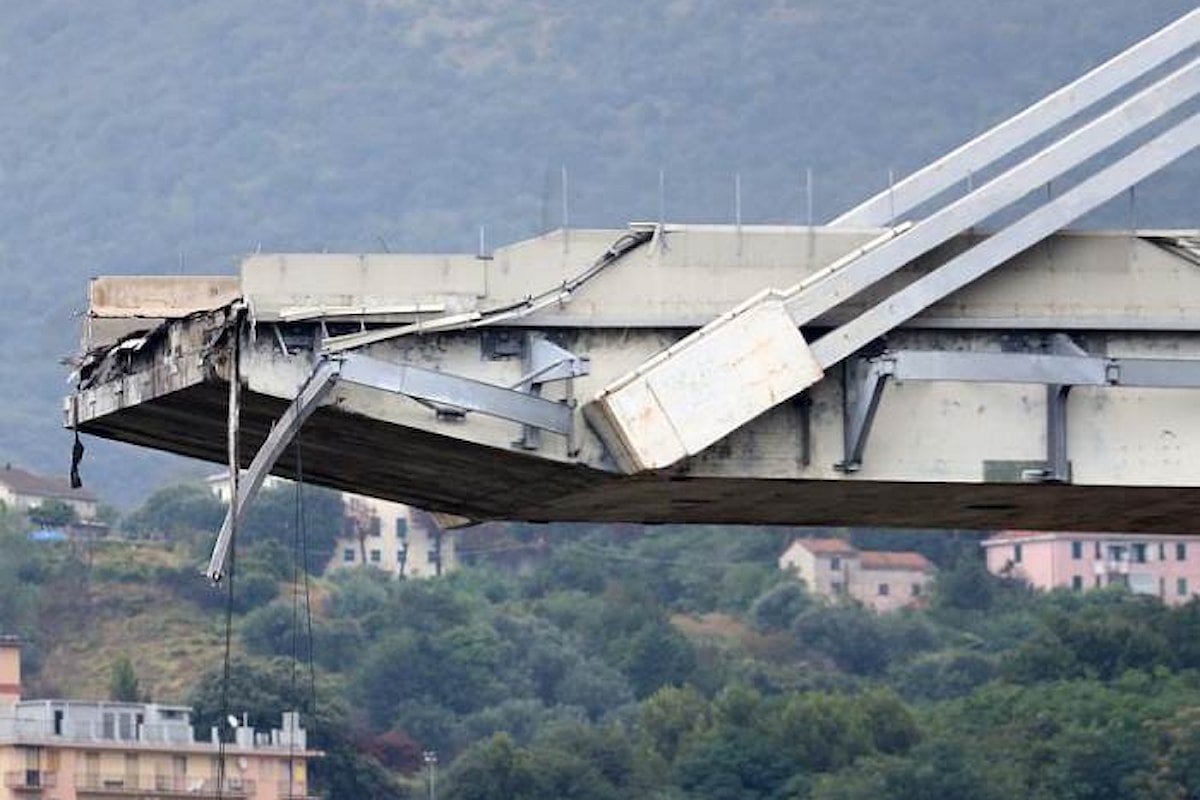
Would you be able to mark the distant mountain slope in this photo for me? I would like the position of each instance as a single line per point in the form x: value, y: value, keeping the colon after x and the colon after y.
x: 142, y: 136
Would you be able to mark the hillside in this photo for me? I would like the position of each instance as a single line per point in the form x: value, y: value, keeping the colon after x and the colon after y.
x: 143, y: 136
x: 665, y: 663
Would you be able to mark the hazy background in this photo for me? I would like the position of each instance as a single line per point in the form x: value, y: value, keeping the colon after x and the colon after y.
x: 162, y: 137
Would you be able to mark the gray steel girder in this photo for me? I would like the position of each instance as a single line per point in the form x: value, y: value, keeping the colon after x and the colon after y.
x: 866, y: 378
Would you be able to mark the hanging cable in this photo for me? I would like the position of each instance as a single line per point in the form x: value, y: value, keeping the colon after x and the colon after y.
x: 298, y: 523
x: 234, y: 482
x: 302, y: 529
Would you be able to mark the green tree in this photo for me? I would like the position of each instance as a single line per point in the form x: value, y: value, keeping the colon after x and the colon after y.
x: 495, y: 769
x: 658, y: 655
x: 123, y: 684
x: 777, y: 608
x: 177, y: 510
x: 53, y: 513
x: 671, y: 717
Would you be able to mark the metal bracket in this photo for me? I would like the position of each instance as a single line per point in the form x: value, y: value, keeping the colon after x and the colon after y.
x: 1058, y: 468
x: 546, y: 362
x: 1064, y: 366
x: 863, y: 382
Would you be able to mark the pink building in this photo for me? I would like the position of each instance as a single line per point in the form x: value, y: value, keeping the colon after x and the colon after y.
x: 835, y: 568
x: 1167, y: 567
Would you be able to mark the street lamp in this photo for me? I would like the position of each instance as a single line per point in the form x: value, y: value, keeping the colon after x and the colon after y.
x: 431, y: 760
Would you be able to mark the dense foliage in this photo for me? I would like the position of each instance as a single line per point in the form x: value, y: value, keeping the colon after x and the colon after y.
x: 666, y: 663
x: 679, y: 663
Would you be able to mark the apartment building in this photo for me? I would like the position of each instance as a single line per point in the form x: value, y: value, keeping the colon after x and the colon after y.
x: 884, y: 581
x: 1166, y: 567
x: 88, y: 750
x: 394, y: 537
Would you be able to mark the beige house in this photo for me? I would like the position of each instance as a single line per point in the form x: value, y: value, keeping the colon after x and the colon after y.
x: 85, y: 750
x: 833, y: 568
x: 21, y: 490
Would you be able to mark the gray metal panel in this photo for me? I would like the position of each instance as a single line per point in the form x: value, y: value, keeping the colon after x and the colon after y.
x: 999, y: 368
x: 1157, y: 372
x: 960, y: 271
x: 1017, y: 131
x: 459, y: 392
x: 1031, y: 174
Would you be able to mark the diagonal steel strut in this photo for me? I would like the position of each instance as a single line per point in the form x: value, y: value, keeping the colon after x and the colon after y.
x: 315, y: 389
x: 1017, y: 131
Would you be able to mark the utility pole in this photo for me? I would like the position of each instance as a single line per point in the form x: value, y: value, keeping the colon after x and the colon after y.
x: 431, y: 761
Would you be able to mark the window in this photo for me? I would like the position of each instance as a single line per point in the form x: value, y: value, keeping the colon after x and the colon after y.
x: 1162, y: 552
x: 835, y: 563
x: 916, y: 590
x: 1098, y: 551
x: 375, y: 556
x: 1180, y: 552
x: 1076, y: 550
x: 836, y: 587
x: 1139, y: 553
x: 883, y: 590
x: 1016, y: 554
x: 401, y: 527
x: 1181, y: 587
x: 1077, y: 582
x: 348, y: 555
x: 58, y: 722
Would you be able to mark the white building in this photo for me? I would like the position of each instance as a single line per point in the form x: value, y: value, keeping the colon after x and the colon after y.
x: 393, y: 537
x: 396, y: 538
x: 21, y: 490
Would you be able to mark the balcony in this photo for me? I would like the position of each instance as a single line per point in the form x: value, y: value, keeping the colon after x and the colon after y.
x: 124, y: 785
x: 30, y: 780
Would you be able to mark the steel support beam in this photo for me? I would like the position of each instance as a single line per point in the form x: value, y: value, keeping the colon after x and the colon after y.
x: 453, y: 390
x: 861, y: 394
x: 986, y: 256
x: 315, y: 389
x: 1018, y: 131
x: 1058, y: 467
x: 865, y: 380
x: 1032, y: 174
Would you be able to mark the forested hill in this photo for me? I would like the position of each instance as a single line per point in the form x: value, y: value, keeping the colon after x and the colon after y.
x: 150, y: 136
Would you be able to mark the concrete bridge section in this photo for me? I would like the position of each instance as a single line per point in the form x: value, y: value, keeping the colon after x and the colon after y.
x: 940, y: 452
x: 912, y: 363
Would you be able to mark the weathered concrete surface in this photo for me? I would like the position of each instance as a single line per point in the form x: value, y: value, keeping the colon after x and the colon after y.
x: 941, y: 454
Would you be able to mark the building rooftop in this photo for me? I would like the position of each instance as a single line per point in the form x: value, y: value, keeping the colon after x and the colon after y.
x: 874, y: 559
x: 827, y: 546
x: 24, y: 482
x: 1001, y: 537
